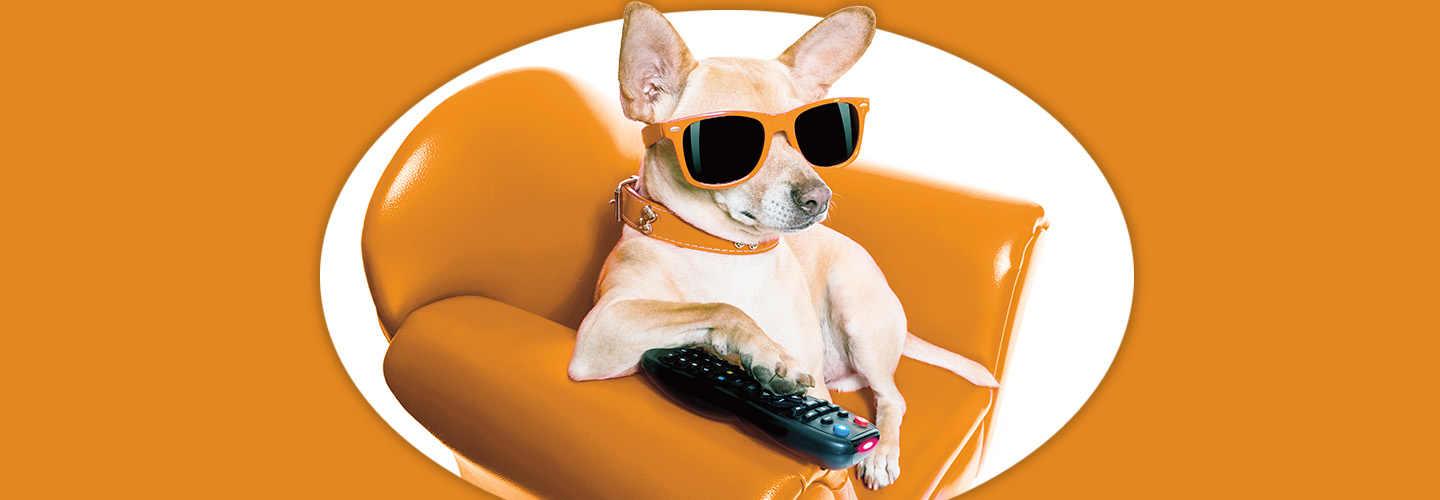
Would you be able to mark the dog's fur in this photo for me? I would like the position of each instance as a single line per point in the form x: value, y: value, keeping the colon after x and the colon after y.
x: 811, y: 315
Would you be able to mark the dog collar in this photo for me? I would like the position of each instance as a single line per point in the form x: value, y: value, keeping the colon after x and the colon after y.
x: 654, y: 220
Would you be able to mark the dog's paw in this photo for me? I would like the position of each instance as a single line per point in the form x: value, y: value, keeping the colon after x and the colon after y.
x: 881, y: 468
x: 767, y: 362
x: 770, y: 365
x: 779, y: 377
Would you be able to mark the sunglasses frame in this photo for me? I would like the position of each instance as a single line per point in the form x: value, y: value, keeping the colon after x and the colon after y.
x: 776, y: 122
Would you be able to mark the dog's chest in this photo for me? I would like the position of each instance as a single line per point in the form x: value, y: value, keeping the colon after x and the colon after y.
x: 770, y: 287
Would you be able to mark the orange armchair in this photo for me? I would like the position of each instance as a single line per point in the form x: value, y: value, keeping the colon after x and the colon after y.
x: 482, y: 245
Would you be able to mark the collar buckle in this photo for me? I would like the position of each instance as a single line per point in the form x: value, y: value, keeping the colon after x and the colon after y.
x: 618, y: 191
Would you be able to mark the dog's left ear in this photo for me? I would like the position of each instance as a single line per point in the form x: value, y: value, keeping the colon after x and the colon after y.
x: 829, y: 50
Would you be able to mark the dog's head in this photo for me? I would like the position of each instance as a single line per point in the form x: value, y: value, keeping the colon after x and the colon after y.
x: 660, y: 81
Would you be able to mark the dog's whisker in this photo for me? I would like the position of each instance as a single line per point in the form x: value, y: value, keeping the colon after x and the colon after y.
x: 834, y: 202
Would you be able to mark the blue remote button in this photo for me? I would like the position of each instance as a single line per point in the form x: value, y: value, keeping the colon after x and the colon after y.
x: 841, y: 430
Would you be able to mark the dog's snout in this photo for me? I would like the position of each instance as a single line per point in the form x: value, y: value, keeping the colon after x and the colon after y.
x: 813, y: 199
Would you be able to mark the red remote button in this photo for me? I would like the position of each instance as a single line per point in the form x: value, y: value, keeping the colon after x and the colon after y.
x: 860, y: 422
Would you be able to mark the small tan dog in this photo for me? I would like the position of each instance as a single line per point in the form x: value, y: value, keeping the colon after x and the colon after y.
x: 811, y: 314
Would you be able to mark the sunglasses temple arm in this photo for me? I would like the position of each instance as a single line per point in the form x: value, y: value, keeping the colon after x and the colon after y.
x: 652, y: 133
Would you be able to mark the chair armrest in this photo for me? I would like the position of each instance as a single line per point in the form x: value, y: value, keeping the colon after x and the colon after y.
x: 489, y: 380
x: 960, y: 270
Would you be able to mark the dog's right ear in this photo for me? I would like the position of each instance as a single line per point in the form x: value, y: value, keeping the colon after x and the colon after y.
x: 653, y: 64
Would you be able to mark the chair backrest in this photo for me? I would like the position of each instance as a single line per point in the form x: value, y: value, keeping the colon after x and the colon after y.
x: 501, y: 192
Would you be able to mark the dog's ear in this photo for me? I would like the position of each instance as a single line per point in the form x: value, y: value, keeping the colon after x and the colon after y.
x: 653, y: 63
x: 829, y: 50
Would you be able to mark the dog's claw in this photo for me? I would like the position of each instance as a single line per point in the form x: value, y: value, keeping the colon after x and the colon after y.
x: 807, y: 380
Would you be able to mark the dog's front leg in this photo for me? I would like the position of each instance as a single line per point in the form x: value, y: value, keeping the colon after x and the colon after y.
x: 615, y: 334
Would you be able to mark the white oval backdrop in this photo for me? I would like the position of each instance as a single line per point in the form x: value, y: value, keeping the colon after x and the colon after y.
x: 994, y: 139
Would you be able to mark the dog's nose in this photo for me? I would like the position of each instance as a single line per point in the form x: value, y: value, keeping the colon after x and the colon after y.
x: 812, y: 200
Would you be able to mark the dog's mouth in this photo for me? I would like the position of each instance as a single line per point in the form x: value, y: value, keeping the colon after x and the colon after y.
x: 794, y: 224
x: 803, y: 223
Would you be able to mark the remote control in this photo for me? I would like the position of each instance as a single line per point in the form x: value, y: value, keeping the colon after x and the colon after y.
x: 818, y: 430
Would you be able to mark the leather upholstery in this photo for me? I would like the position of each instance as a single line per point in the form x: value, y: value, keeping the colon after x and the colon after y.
x: 482, y: 245
x: 593, y: 440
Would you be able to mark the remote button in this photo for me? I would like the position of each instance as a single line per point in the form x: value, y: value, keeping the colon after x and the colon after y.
x: 810, y: 415
x: 720, y: 378
x: 861, y: 423
x: 840, y: 430
x: 827, y: 420
x: 843, y: 414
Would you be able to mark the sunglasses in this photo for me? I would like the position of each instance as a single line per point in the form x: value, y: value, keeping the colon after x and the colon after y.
x: 725, y: 148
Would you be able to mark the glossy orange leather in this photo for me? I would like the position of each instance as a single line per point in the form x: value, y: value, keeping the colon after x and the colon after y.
x: 489, y: 380
x: 665, y: 226
x: 482, y: 245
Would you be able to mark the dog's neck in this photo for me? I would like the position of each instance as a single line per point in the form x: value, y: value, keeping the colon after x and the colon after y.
x: 653, y: 219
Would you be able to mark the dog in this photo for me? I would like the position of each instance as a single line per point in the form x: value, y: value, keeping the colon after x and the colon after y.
x: 803, y: 308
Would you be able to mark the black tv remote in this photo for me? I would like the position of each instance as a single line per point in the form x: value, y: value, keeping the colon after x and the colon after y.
x: 817, y: 430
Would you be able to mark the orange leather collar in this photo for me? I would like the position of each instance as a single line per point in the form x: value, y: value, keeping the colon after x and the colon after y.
x: 653, y: 220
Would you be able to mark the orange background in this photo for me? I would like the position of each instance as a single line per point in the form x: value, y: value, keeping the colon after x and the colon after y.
x: 169, y: 171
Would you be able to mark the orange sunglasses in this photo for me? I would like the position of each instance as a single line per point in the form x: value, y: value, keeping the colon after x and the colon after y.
x: 725, y: 148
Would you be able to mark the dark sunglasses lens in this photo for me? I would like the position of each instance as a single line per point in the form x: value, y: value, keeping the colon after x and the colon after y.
x: 828, y: 134
x: 723, y: 149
